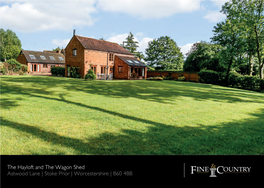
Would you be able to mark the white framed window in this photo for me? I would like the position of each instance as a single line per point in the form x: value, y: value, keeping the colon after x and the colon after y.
x: 43, y: 57
x: 51, y: 57
x: 32, y: 56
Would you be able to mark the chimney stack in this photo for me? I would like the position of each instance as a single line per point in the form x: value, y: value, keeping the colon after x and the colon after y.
x: 73, y: 32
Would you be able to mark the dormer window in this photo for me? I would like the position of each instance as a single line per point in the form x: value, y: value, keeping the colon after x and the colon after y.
x: 74, y: 52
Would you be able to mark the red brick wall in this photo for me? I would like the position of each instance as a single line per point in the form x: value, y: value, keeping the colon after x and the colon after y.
x: 188, y: 76
x: 98, y: 59
x: 124, y: 74
x: 78, y: 60
x: 22, y: 59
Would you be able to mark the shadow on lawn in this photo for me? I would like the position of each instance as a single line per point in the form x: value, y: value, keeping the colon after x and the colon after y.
x: 245, y: 137
x: 163, y: 92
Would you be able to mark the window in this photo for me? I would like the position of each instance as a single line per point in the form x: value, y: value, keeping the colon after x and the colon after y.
x: 102, y: 70
x: 120, y: 69
x: 51, y: 57
x: 61, y: 58
x: 45, y: 66
x: 143, y: 71
x: 94, y: 69
x: 111, y: 69
x: 43, y: 57
x: 129, y: 61
x: 111, y: 57
x: 74, y: 52
x: 32, y: 56
x: 136, y: 61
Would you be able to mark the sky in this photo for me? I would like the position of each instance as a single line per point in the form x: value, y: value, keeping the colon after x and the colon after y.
x: 47, y: 24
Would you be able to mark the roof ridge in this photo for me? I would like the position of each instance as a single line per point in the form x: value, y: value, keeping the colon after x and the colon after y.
x: 97, y: 39
x: 42, y: 52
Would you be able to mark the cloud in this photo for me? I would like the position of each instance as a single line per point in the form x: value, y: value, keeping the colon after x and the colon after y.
x: 33, y: 15
x: 186, y: 48
x: 214, y: 16
x: 61, y: 42
x: 143, y: 43
x: 147, y: 9
x: 219, y: 3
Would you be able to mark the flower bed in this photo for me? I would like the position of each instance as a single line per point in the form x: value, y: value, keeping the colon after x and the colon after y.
x: 155, y: 78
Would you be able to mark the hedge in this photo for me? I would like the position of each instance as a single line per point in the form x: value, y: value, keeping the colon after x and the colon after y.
x: 57, y: 71
x: 234, y: 80
x: 211, y: 77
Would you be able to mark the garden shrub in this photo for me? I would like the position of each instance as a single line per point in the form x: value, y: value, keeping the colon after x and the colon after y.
x: 74, y: 72
x: 210, y: 76
x: 14, y: 65
x: 181, y: 78
x: 261, y: 84
x: 24, y: 68
x: 249, y: 82
x: 57, y: 71
x: 90, y: 75
x: 234, y: 79
x: 155, y: 78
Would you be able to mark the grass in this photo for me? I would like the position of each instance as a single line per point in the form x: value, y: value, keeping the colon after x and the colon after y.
x: 65, y: 116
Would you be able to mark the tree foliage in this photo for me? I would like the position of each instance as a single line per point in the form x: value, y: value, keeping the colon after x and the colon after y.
x: 203, y: 56
x: 165, y: 53
x: 241, y: 34
x: 130, y: 44
x: 10, y: 45
x: 90, y: 75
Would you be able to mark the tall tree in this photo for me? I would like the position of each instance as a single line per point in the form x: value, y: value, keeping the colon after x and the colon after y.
x: 203, y: 55
x: 164, y: 52
x: 130, y: 44
x: 10, y: 45
x: 229, y: 34
x: 257, y: 7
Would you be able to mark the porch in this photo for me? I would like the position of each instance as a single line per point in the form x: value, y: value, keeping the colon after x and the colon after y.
x: 137, y: 73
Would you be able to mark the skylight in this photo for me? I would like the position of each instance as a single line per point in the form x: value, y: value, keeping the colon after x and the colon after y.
x: 60, y: 58
x: 129, y: 61
x: 32, y: 56
x: 42, y: 57
x: 51, y: 57
x: 136, y: 61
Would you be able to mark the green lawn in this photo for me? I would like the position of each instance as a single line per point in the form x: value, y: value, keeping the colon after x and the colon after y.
x: 56, y: 115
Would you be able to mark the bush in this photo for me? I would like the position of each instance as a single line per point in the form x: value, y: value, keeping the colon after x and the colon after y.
x: 10, y: 66
x: 210, y: 76
x: 24, y: 68
x: 90, y: 75
x: 181, y: 78
x: 14, y: 65
x: 74, y: 73
x: 57, y: 71
x: 261, y: 84
x: 155, y: 78
x: 234, y: 79
x: 249, y: 82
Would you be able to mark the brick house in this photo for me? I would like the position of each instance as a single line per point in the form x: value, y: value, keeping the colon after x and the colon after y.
x: 41, y: 62
x: 103, y: 58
